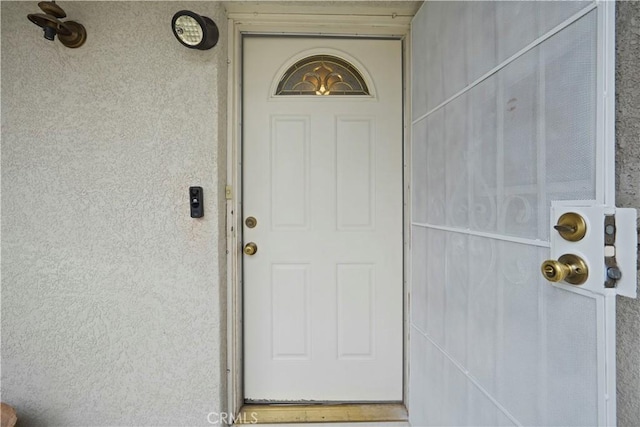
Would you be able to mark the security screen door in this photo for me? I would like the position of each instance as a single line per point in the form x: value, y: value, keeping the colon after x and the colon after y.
x: 512, y: 126
x: 322, y: 210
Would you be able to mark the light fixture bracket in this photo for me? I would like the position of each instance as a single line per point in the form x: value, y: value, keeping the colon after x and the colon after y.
x: 70, y: 33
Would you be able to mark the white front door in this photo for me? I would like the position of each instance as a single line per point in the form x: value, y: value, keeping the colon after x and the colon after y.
x: 322, y: 203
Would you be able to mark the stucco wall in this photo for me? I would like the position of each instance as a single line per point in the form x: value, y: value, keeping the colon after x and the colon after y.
x: 111, y: 296
x: 628, y: 195
x: 111, y: 293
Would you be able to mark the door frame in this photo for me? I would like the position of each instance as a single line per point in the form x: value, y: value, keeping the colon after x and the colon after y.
x: 239, y: 25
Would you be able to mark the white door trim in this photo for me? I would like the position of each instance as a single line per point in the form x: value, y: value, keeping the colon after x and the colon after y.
x: 311, y: 25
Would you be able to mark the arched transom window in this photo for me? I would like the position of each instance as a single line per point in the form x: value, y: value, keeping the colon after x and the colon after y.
x: 322, y: 75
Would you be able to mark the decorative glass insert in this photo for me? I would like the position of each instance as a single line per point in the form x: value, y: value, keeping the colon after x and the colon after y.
x: 322, y: 75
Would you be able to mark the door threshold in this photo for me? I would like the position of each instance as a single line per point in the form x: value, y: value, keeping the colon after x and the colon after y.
x: 321, y: 413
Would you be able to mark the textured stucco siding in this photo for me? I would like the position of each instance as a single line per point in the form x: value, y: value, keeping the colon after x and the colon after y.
x: 112, y: 296
x: 628, y: 195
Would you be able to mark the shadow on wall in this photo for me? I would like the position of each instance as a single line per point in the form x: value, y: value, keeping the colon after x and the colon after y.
x: 628, y: 195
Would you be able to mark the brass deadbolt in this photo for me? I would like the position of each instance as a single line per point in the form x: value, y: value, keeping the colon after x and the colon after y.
x: 571, y: 226
x: 250, y: 222
x: 250, y: 248
x: 570, y: 268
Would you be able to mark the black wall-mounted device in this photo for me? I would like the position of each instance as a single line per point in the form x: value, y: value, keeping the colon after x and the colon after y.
x: 195, y: 200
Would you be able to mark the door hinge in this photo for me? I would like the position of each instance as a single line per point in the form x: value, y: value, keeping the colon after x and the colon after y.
x: 620, y: 251
x: 228, y: 193
x: 613, y: 273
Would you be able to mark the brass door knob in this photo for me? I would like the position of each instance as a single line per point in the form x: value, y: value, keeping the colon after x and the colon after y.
x: 250, y: 248
x: 570, y: 268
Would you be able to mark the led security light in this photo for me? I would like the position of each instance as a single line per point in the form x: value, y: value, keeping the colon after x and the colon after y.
x: 195, y: 31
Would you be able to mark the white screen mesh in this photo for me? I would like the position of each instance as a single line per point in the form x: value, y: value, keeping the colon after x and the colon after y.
x: 491, y: 341
x: 522, y: 341
x: 570, y: 359
x: 455, y: 43
x: 493, y: 158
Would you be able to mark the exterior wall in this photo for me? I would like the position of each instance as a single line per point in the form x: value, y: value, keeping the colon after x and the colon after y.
x: 628, y: 195
x: 112, y: 296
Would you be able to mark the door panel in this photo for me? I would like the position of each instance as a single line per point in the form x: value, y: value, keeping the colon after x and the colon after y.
x: 517, y: 133
x: 322, y: 175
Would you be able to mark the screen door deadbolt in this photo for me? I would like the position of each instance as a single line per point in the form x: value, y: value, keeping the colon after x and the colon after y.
x: 195, y: 200
x: 571, y: 226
